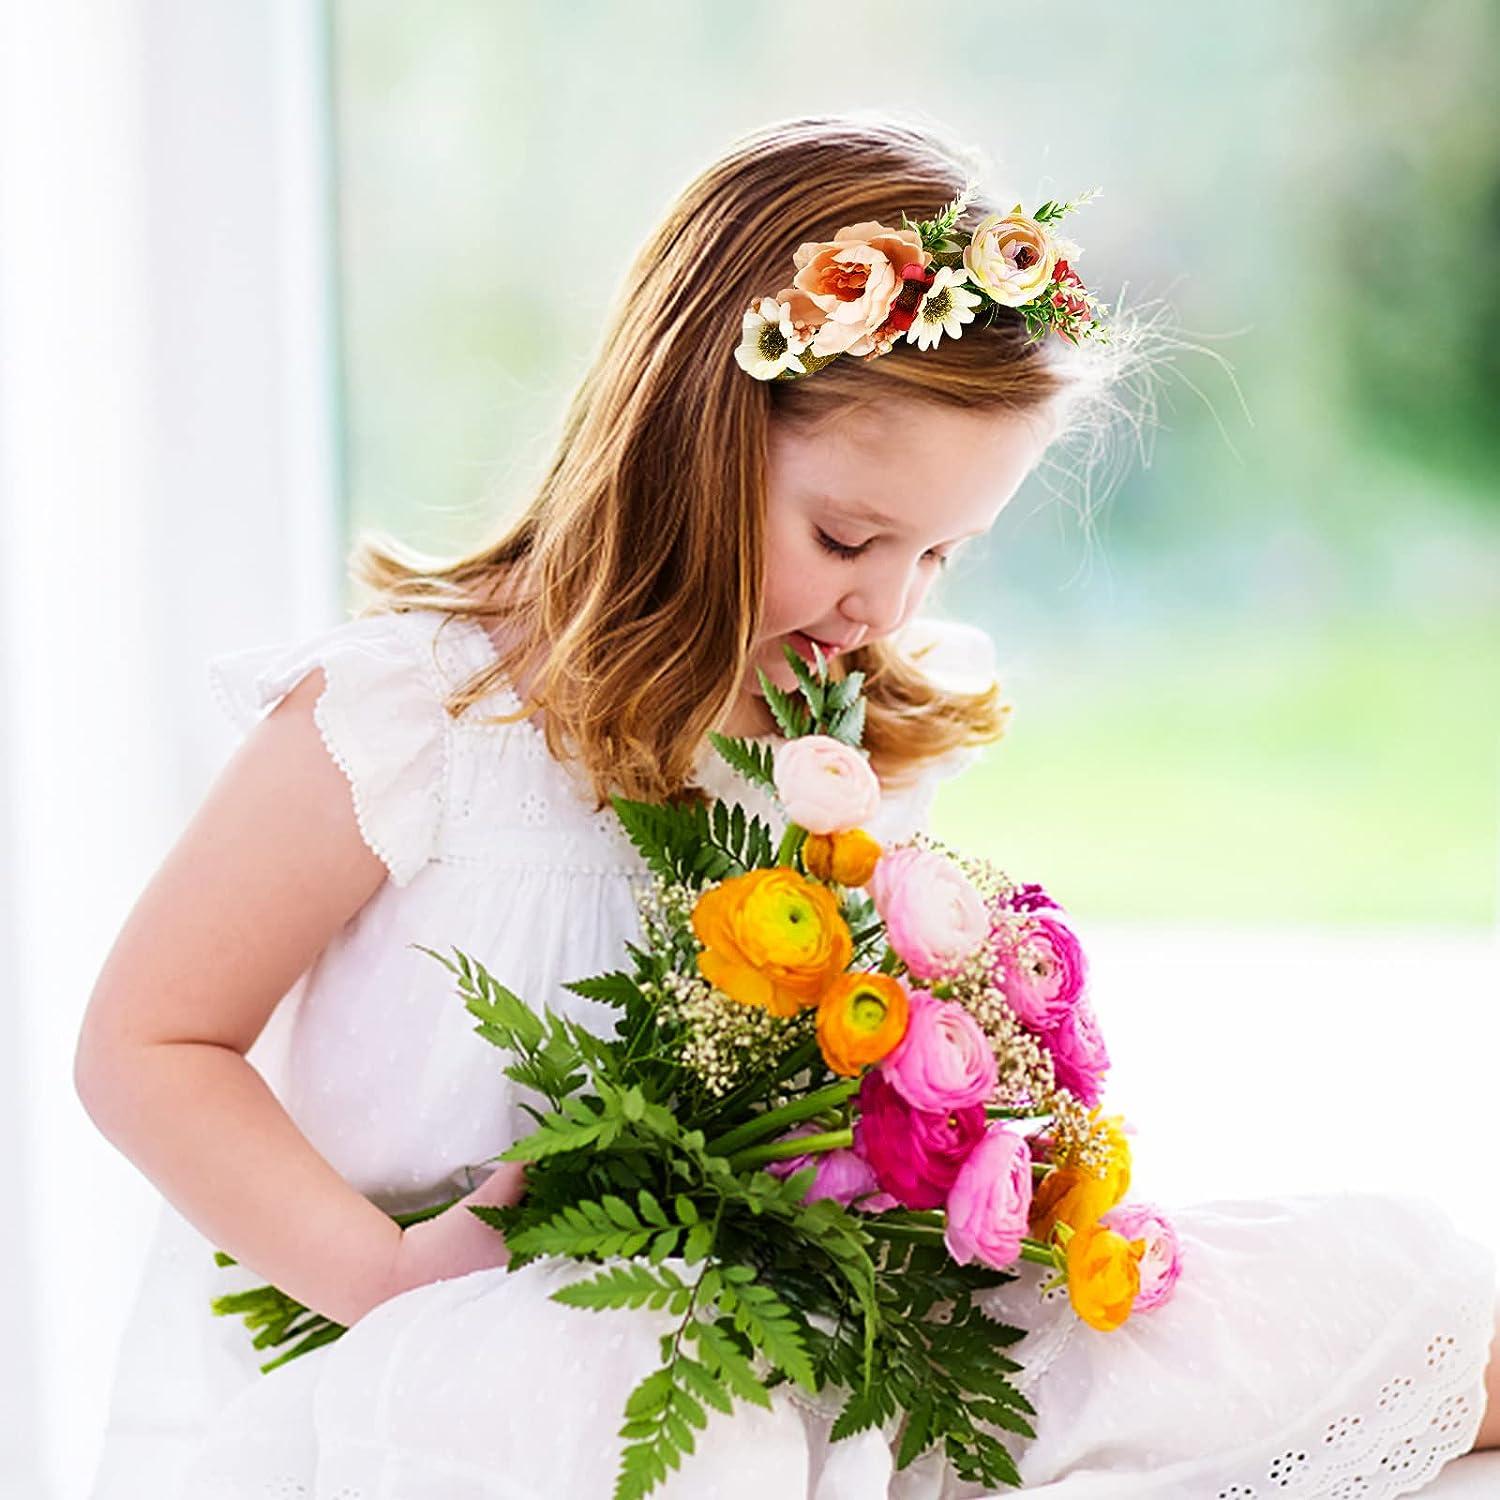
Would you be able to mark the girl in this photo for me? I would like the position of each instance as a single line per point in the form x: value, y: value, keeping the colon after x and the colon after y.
x: 436, y: 770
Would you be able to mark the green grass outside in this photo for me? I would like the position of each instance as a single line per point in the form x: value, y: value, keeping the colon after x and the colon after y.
x: 1344, y: 775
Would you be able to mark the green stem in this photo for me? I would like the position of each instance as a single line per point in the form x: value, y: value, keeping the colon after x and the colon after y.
x: 770, y: 1121
x: 793, y: 1063
x: 791, y: 842
x: 804, y: 1145
x: 932, y: 1234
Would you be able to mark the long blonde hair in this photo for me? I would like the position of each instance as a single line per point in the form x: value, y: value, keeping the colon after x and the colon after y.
x: 632, y: 578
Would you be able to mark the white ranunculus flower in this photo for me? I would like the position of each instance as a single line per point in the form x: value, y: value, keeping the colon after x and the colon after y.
x: 947, y: 305
x: 769, y: 345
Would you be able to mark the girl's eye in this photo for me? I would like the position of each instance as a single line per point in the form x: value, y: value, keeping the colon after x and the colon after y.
x: 843, y: 549
x: 839, y: 549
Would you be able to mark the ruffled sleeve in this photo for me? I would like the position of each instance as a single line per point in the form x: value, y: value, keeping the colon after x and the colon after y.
x: 380, y: 715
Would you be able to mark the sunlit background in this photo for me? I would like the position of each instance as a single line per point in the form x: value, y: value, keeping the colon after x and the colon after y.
x: 1267, y: 688
x: 271, y: 274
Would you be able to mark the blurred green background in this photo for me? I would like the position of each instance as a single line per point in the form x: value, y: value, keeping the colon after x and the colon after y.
x: 1264, y: 686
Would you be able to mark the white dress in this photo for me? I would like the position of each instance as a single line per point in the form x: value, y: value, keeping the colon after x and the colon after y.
x: 1328, y: 1346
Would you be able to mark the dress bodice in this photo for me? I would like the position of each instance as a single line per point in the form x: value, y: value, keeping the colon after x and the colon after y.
x: 494, y: 847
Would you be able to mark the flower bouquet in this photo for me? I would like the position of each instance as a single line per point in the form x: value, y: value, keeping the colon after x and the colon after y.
x: 849, y: 1088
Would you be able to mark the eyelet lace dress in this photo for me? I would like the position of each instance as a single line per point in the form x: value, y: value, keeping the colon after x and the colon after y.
x: 1326, y: 1347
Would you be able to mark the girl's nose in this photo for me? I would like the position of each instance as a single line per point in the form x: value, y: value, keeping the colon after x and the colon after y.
x: 873, y: 612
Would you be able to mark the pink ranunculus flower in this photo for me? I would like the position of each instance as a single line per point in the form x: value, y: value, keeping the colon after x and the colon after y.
x: 915, y: 1154
x: 934, y: 918
x: 825, y: 785
x: 843, y: 1175
x: 944, y: 1061
x: 1161, y: 1265
x: 1079, y: 1057
x: 1041, y: 968
x: 990, y: 1201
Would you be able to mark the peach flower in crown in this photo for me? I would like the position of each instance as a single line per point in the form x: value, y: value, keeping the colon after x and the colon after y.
x: 872, y: 285
x: 851, y: 283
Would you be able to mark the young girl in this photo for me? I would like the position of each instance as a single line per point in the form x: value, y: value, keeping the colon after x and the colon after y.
x: 268, y: 1046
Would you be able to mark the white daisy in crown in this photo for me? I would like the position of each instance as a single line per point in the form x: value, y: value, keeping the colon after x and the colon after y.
x: 946, y: 306
x: 768, y: 343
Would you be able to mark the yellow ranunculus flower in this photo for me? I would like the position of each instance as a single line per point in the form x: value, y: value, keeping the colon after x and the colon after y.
x: 771, y: 938
x: 1117, y: 1174
x: 861, y: 1018
x: 848, y: 857
x: 1104, y: 1275
x: 1071, y: 1196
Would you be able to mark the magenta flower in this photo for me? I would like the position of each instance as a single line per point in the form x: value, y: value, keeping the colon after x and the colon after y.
x: 1030, y: 898
x: 915, y: 1154
x: 1161, y: 1265
x: 1041, y: 968
x: 1079, y: 1056
x: 944, y: 1061
x: 843, y: 1175
x: 990, y: 1201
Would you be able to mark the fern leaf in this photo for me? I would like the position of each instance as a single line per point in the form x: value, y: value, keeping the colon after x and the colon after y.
x: 772, y: 1327
x: 633, y: 1286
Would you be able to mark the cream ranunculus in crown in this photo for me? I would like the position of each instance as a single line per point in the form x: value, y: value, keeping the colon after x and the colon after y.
x: 1011, y: 257
x: 853, y: 280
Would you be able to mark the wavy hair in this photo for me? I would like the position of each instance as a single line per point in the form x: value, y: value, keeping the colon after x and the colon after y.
x: 630, y: 582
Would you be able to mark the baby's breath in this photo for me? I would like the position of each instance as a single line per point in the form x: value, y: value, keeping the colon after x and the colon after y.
x: 1025, y: 1077
x: 1079, y: 1137
x: 723, y: 1039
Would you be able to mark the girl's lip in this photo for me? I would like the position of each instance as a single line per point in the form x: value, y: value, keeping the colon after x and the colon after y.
x: 808, y: 641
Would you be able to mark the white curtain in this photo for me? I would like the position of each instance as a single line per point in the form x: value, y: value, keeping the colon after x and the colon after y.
x: 167, y: 490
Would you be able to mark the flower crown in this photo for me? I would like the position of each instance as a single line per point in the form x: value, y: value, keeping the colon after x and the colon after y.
x: 861, y: 291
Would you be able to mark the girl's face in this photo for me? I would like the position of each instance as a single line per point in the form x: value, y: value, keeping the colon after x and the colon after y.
x: 862, y: 516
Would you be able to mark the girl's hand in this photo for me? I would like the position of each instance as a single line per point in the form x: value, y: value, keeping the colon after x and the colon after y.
x: 455, y: 1242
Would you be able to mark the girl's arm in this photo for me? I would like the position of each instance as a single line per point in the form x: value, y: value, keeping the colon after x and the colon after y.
x: 271, y: 866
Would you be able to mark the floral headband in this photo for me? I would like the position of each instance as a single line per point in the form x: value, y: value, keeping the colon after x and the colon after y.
x: 861, y: 291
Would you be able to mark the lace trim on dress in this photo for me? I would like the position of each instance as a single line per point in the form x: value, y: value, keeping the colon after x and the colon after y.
x: 1426, y: 1410
x: 380, y: 718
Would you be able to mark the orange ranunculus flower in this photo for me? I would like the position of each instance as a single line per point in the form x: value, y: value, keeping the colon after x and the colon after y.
x: 848, y: 857
x: 772, y: 938
x: 860, y: 1019
x: 1104, y: 1275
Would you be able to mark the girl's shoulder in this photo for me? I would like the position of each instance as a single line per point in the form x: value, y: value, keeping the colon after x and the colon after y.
x: 382, y: 714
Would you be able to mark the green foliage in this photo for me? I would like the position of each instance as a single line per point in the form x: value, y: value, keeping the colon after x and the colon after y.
x: 276, y: 1319
x: 753, y: 762
x: 547, y: 1053
x: 1050, y: 212
x: 936, y: 233
x: 827, y: 706
x: 689, y: 844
